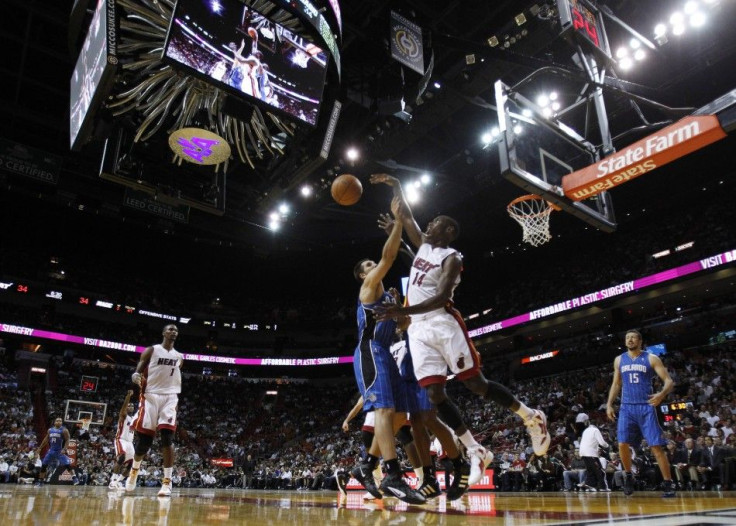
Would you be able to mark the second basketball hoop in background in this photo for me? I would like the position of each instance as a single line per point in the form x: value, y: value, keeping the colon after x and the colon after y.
x: 532, y: 213
x: 346, y: 189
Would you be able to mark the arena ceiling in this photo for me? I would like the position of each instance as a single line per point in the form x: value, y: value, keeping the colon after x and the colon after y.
x: 442, y: 138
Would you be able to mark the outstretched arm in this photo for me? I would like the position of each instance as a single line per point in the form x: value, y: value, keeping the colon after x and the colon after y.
x: 407, y: 217
x: 369, y: 290
x: 451, y: 268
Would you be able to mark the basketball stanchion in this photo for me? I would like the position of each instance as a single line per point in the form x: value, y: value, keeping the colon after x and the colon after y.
x: 532, y: 213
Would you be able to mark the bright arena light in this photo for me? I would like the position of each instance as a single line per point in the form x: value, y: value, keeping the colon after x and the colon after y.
x: 626, y: 63
x: 660, y: 30
x: 352, y: 154
x: 697, y: 19
x: 274, y: 217
x: 634, y: 43
x: 556, y: 106
x: 622, y: 52
x: 547, y: 112
x: 417, y: 184
x: 274, y: 225
x: 690, y: 8
x: 542, y: 100
x: 425, y: 179
x: 518, y: 129
x: 306, y: 190
x: 553, y: 95
x: 677, y: 19
x: 678, y: 30
x: 412, y: 196
x: 437, y: 85
x: 526, y: 112
x: 283, y: 209
x: 486, y: 138
x: 639, y: 54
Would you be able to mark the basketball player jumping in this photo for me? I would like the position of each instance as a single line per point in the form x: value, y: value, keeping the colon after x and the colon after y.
x: 376, y: 373
x: 159, y: 376
x: 124, y: 450
x: 633, y: 372
x: 438, y: 339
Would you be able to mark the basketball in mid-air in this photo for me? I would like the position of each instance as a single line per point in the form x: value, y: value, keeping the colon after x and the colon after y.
x: 346, y: 189
x: 253, y: 33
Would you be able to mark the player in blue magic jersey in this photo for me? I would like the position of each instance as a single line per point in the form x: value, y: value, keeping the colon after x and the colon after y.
x: 57, y: 438
x: 376, y: 372
x: 633, y: 372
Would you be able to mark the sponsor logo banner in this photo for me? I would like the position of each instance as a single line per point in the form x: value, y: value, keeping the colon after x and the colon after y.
x: 29, y: 162
x: 677, y: 140
x: 406, y: 43
x: 143, y: 202
x: 222, y: 462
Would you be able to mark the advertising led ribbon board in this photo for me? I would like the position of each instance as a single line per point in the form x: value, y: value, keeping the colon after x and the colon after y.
x: 704, y: 264
x: 127, y: 347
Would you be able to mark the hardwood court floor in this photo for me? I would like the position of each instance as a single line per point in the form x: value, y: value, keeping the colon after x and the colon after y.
x: 61, y: 505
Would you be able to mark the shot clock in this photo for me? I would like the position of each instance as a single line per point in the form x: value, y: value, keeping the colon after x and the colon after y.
x: 582, y: 22
x: 89, y: 384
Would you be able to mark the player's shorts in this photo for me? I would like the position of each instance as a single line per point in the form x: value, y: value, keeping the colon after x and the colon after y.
x: 378, y: 378
x: 417, y: 398
x: 637, y: 420
x: 156, y: 411
x: 439, y: 341
x: 53, y: 457
x: 369, y: 424
x: 124, y: 447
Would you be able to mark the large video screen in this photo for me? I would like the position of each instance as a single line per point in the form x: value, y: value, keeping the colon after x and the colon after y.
x: 243, y: 51
x: 88, y: 74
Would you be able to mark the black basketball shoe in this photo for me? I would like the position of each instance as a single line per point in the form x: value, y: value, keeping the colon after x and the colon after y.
x: 394, y: 485
x: 460, y: 481
x: 363, y: 474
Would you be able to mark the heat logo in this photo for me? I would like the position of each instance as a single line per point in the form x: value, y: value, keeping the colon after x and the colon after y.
x: 197, y: 148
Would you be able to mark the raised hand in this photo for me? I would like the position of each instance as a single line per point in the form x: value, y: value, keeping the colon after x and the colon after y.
x: 385, y: 179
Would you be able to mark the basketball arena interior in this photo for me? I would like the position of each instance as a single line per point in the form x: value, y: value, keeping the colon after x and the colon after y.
x: 171, y: 162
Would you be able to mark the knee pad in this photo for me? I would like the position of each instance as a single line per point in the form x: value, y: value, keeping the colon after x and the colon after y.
x: 367, y: 439
x: 143, y: 445
x: 167, y: 437
x: 404, y: 435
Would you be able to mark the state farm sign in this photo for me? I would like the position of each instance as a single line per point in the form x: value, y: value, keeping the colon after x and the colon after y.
x: 670, y: 143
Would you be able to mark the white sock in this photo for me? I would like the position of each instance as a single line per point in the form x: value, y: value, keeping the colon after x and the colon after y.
x: 524, y: 412
x: 468, y: 440
x: 167, y: 472
x: 137, y: 464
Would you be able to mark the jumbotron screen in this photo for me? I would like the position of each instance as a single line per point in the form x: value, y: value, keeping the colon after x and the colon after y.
x: 244, y: 52
x: 88, y: 73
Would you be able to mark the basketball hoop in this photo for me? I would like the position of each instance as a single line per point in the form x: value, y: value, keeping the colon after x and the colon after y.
x: 85, y: 422
x: 532, y: 213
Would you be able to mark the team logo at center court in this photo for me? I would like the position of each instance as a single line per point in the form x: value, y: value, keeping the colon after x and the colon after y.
x: 461, y: 363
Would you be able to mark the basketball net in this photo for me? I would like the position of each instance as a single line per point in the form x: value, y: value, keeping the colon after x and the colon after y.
x: 532, y: 213
x: 85, y: 423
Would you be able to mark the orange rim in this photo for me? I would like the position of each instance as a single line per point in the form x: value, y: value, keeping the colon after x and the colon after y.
x: 532, y: 197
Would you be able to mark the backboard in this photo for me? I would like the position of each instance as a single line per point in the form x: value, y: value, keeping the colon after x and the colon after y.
x: 536, y: 150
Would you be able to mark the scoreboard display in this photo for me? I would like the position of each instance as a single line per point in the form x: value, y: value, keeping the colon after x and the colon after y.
x: 675, y: 410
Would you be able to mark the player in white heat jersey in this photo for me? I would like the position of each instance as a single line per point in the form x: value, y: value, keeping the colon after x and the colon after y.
x: 124, y: 450
x: 438, y: 338
x: 159, y: 376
